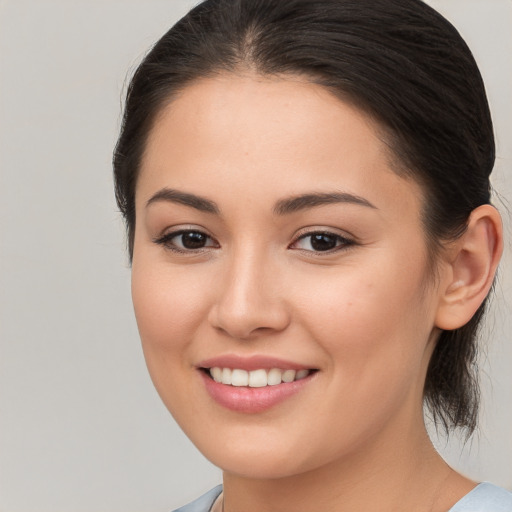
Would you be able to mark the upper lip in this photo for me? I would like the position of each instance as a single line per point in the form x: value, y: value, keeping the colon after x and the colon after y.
x: 255, y: 362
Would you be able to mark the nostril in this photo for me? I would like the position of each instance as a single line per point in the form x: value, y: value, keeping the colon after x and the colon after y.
x: 246, y: 323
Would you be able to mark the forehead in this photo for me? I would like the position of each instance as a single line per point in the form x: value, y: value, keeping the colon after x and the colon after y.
x: 253, y: 133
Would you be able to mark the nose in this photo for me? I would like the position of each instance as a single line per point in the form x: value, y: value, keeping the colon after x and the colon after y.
x: 249, y: 300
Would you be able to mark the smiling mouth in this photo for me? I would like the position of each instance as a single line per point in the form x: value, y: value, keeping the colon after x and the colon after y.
x: 256, y: 378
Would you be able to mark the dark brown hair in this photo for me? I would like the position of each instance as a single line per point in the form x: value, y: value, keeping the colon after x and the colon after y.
x: 398, y: 60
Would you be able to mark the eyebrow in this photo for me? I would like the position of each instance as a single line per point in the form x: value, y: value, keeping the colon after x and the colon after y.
x: 282, y: 207
x: 175, y: 196
x: 305, y: 201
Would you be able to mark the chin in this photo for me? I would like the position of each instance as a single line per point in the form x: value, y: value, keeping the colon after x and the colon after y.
x: 264, y: 466
x: 260, y: 458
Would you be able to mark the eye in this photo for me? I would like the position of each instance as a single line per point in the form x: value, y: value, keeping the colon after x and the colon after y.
x: 186, y: 240
x: 321, y: 242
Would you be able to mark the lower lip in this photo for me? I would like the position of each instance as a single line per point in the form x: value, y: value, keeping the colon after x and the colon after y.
x: 252, y: 400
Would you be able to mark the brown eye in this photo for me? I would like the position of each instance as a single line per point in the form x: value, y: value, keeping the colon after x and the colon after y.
x: 193, y: 240
x: 186, y: 240
x: 321, y: 242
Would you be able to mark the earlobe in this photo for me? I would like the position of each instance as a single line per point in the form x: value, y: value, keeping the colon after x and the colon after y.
x: 470, y: 273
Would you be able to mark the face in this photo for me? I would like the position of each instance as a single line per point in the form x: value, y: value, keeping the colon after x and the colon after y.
x: 280, y: 277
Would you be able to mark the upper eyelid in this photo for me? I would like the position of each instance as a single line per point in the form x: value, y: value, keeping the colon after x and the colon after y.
x: 170, y: 233
x: 308, y: 231
x: 183, y: 228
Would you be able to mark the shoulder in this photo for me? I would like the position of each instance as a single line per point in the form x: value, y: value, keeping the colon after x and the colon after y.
x: 485, y: 497
x: 204, y: 503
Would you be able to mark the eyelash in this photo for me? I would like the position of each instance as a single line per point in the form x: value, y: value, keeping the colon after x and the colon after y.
x: 342, y: 243
x: 166, y: 240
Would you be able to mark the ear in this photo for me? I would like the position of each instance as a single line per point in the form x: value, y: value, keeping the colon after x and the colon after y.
x: 469, y: 273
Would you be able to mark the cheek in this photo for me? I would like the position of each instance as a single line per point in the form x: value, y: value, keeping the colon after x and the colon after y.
x: 169, y: 306
x: 374, y: 333
x: 373, y: 325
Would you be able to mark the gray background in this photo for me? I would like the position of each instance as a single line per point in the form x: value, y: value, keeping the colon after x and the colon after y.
x: 81, y: 428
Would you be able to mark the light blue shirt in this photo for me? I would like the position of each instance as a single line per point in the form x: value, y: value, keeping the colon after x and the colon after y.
x: 485, y: 497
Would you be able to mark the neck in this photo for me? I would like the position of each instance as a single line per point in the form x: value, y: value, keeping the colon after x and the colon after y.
x: 390, y: 476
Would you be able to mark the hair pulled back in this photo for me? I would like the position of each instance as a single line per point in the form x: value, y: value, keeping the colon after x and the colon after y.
x: 399, y: 61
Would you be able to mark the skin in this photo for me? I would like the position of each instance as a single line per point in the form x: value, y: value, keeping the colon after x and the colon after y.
x: 365, y: 315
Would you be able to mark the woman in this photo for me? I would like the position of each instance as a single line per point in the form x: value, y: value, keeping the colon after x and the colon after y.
x: 306, y: 191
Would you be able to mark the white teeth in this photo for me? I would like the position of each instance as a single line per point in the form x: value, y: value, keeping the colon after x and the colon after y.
x: 239, y: 378
x: 301, y: 374
x: 256, y: 378
x: 216, y: 373
x: 226, y: 376
x: 274, y: 377
x: 288, y: 376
